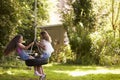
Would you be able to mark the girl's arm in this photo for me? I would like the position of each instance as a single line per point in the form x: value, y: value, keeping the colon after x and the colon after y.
x: 25, y: 47
x: 41, y: 45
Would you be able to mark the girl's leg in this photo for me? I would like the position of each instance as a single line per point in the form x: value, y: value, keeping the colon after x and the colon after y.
x: 36, y: 72
x: 40, y: 69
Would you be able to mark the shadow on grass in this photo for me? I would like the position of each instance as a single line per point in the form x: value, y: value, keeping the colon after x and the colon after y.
x: 63, y: 77
x: 62, y: 72
x: 15, y: 77
x: 16, y: 74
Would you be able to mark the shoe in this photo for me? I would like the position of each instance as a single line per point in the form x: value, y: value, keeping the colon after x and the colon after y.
x: 37, y: 73
x: 43, y: 76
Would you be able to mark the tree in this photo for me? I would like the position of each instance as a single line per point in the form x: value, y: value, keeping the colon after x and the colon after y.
x: 79, y: 22
x: 115, y: 15
x: 17, y: 17
x: 27, y: 17
x: 8, y: 21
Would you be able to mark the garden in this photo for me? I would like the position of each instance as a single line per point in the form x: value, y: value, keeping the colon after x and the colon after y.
x: 85, y: 35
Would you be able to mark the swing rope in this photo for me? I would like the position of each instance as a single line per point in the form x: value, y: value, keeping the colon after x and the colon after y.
x: 35, y: 20
x: 35, y: 23
x: 36, y: 61
x: 35, y: 27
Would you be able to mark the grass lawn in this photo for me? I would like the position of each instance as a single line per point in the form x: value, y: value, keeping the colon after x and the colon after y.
x: 62, y: 72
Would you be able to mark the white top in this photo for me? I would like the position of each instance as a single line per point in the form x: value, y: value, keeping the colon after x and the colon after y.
x: 48, y: 47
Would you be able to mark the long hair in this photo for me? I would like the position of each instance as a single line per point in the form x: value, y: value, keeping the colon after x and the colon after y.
x: 12, y: 45
x: 46, y: 36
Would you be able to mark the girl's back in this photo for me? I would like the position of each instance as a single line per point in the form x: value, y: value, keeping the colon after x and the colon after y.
x: 48, y: 47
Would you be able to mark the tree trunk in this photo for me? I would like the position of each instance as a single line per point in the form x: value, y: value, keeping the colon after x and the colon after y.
x: 119, y: 30
x: 113, y: 26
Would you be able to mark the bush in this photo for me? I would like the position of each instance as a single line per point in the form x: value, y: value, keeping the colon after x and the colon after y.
x: 63, y: 55
x: 11, y: 61
x: 105, y: 48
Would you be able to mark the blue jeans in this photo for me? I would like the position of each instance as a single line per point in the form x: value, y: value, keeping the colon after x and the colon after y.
x: 23, y: 55
x: 45, y: 56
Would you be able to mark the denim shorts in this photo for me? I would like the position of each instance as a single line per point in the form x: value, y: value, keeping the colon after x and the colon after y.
x: 23, y: 55
x: 45, y: 56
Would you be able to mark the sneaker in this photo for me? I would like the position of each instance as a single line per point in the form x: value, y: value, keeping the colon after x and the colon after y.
x: 43, y: 76
x: 37, y: 73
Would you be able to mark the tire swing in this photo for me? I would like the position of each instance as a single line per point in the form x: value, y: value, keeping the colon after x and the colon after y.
x: 37, y: 61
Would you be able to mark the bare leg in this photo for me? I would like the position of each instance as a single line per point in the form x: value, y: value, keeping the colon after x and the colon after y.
x: 36, y: 71
x: 40, y: 69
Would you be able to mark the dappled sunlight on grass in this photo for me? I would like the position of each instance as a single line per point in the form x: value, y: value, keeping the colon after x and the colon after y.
x: 48, y: 65
x: 14, y: 72
x: 79, y: 72
x: 62, y: 72
x: 10, y: 73
x: 17, y: 74
x: 101, y: 71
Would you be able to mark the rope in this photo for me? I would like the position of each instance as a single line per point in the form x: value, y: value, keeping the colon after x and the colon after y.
x: 35, y: 27
x: 35, y: 23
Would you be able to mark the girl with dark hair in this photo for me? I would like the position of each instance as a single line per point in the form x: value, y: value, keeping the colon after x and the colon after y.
x: 16, y: 45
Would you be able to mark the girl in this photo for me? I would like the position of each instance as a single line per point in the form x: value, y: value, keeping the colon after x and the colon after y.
x: 47, y: 49
x: 16, y: 44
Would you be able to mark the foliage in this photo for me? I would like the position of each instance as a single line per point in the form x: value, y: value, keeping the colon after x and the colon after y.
x: 11, y: 60
x: 8, y: 21
x: 107, y: 14
x: 17, y: 17
x: 105, y: 44
x: 79, y: 22
x: 83, y: 13
x: 89, y: 27
x: 63, y: 55
x: 29, y: 18
x: 81, y: 45
x: 105, y: 48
